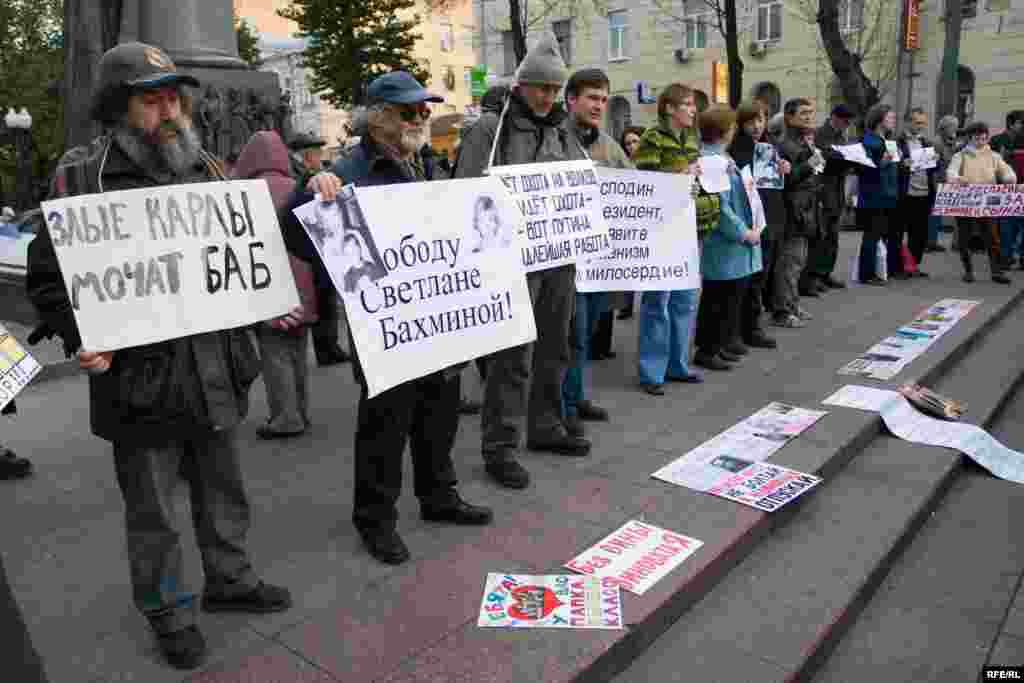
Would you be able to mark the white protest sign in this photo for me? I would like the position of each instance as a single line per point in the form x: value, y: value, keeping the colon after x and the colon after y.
x: 636, y: 556
x: 756, y: 207
x: 653, y: 237
x: 761, y: 485
x: 893, y: 148
x: 17, y: 367
x: 906, y: 422
x: 560, y: 207
x: 923, y: 159
x: 554, y: 601
x: 856, y: 154
x: 714, y: 173
x: 979, y: 201
x: 144, y: 266
x: 429, y: 273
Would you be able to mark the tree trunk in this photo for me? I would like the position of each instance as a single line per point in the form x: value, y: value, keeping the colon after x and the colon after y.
x: 858, y: 90
x: 90, y: 29
x: 949, y: 86
x: 518, y: 21
x: 732, y: 50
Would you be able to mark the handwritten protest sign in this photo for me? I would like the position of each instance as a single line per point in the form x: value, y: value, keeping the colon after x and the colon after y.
x: 561, y: 212
x: 143, y: 266
x: 653, y: 228
x: 429, y: 274
x: 17, y: 367
x: 979, y: 201
x: 923, y: 158
x: 636, y: 556
x: 557, y: 601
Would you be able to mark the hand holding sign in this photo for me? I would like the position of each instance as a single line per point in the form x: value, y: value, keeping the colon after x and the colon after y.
x: 95, y: 363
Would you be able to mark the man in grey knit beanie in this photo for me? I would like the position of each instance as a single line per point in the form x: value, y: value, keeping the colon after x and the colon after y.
x: 534, y: 130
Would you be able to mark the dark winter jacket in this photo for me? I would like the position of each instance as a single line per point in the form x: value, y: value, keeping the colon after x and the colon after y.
x: 365, y: 166
x: 157, y: 392
x: 879, y: 187
x: 833, y: 179
x: 803, y: 187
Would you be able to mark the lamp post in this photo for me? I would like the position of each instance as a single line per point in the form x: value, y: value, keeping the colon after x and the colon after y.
x: 20, y: 125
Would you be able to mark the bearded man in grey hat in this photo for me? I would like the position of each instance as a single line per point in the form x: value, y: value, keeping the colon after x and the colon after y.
x: 535, y: 129
x: 169, y: 408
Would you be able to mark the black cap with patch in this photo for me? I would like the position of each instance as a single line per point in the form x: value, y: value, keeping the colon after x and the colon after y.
x: 133, y: 66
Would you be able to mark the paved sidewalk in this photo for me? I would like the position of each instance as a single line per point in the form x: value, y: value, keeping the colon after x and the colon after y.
x: 356, y: 620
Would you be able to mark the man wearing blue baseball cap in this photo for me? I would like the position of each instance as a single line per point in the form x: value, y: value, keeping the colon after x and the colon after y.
x: 423, y: 411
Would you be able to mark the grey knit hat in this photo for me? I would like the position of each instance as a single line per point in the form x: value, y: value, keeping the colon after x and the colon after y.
x: 543, y: 64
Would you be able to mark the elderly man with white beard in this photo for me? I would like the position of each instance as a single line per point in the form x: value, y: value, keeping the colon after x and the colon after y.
x: 423, y: 411
x: 170, y: 408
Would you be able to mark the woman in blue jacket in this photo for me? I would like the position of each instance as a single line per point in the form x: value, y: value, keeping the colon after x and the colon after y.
x: 731, y: 254
x: 878, y: 195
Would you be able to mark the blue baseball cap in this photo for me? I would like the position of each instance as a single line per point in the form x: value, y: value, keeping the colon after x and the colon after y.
x: 399, y: 87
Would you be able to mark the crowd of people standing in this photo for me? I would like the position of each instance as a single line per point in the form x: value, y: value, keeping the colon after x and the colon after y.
x: 757, y: 261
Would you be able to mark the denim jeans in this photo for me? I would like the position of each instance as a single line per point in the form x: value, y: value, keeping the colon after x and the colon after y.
x: 589, y: 308
x: 666, y: 321
x: 1011, y: 232
x: 934, y: 229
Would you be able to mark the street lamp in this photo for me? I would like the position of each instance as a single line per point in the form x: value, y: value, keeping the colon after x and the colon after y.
x: 20, y: 125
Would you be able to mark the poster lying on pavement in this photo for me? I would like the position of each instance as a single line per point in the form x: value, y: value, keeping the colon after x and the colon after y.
x: 760, y: 485
x: 888, y: 357
x: 636, y: 556
x: 909, y: 424
x: 718, y: 461
x: 556, y: 601
x: 17, y: 367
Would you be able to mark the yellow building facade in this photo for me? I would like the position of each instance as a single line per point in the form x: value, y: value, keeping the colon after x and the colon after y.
x: 644, y: 45
x: 446, y: 44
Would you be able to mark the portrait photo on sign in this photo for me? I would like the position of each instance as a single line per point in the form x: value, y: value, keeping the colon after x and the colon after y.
x: 489, y: 230
x: 766, y: 167
x: 340, y: 233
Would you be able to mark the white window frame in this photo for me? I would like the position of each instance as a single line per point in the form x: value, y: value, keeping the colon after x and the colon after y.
x: 567, y: 51
x: 623, y: 35
x: 695, y: 29
x: 764, y: 9
x: 848, y: 23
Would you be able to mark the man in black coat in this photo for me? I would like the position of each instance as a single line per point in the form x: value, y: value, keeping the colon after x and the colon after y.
x: 824, y: 252
x: 169, y: 407
x: 423, y: 412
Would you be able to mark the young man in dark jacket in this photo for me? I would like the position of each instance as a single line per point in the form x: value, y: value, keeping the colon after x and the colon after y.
x: 802, y: 196
x: 171, y: 406
x: 423, y: 411
x: 821, y: 262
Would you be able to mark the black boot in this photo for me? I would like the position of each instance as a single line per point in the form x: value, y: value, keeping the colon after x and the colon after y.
x: 184, y: 648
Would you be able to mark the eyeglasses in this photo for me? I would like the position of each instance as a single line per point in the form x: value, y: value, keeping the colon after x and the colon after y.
x: 409, y: 114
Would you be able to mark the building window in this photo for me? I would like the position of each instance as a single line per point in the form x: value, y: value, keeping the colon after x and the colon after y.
x: 769, y: 20
x: 563, y: 34
x: 447, y: 36
x: 851, y: 15
x: 696, y: 18
x: 509, y: 49
x: 467, y: 78
x: 969, y: 8
x: 618, y: 25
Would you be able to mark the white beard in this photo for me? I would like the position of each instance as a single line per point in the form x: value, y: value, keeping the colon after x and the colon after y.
x: 176, y: 155
x: 413, y: 140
